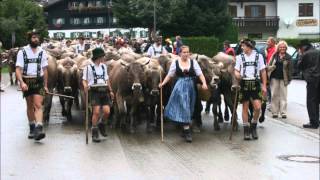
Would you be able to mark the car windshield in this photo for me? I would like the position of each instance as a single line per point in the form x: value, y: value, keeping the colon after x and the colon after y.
x: 291, y: 50
x: 261, y: 47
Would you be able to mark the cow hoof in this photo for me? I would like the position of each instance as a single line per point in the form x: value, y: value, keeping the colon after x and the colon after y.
x: 217, y: 128
x: 220, y: 120
x: 64, y: 113
x: 132, y: 130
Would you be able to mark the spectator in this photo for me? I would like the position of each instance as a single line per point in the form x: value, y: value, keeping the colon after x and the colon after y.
x: 179, y: 44
x: 310, y: 67
x: 279, y: 71
x: 168, y: 46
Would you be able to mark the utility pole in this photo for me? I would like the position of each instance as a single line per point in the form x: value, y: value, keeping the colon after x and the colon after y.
x: 154, y: 19
x: 109, y: 6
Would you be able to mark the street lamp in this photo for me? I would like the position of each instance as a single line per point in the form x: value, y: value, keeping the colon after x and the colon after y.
x: 109, y: 6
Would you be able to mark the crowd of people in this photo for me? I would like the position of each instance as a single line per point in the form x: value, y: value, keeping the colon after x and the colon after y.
x: 264, y: 77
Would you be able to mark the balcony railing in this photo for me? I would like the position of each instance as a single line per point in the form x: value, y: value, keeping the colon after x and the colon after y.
x: 257, y: 22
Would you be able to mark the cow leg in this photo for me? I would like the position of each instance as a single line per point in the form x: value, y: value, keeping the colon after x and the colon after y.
x: 215, y: 116
x: 62, y: 102
x: 132, y: 116
x: 47, y: 108
x: 208, y: 104
x: 229, y: 102
x: 11, y: 78
x: 197, y: 114
x: 69, y: 106
x: 151, y: 111
x: 263, y: 111
x: 226, y: 112
x: 219, y: 114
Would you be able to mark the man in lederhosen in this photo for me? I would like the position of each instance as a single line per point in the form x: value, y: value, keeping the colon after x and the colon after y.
x: 96, y: 81
x: 31, y: 72
x: 250, y: 70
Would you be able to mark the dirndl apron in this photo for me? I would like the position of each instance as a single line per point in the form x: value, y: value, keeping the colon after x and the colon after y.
x: 182, y: 100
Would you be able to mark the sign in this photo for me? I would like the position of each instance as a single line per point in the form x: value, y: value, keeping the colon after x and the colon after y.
x: 307, y: 22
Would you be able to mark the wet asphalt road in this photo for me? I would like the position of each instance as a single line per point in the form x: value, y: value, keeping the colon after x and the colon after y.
x: 63, y: 154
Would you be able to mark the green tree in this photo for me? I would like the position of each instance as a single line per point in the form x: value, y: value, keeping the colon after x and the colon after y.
x: 17, y: 17
x: 183, y: 17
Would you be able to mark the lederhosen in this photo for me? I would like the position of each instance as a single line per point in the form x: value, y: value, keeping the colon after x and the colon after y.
x: 250, y: 87
x: 157, y: 52
x: 35, y: 83
x: 80, y: 51
x: 99, y: 93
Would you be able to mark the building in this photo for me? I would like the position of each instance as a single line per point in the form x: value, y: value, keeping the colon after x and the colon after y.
x: 89, y: 18
x: 259, y: 19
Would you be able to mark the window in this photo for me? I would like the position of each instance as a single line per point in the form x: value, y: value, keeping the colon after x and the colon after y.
x: 233, y: 11
x: 100, y: 20
x: 305, y: 9
x: 255, y: 11
x: 58, y: 21
x: 86, y: 21
x: 75, y: 21
x: 255, y: 36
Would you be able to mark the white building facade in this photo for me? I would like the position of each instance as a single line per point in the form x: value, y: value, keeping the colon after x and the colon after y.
x: 260, y: 19
x: 298, y: 18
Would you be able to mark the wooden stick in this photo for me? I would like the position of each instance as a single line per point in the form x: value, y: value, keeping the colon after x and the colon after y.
x: 61, y: 95
x: 87, y: 112
x: 161, y: 109
x: 55, y: 94
x: 233, y: 113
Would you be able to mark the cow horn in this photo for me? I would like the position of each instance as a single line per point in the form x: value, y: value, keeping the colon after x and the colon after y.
x: 147, y: 62
x: 123, y: 63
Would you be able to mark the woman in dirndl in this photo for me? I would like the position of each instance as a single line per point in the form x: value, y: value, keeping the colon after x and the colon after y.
x: 182, y: 100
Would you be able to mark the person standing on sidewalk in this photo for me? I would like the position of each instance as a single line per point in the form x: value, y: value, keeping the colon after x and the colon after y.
x: 31, y: 72
x: 279, y: 72
x: 309, y: 64
x: 250, y: 71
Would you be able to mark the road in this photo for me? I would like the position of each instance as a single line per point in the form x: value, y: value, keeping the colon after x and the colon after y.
x: 63, y: 154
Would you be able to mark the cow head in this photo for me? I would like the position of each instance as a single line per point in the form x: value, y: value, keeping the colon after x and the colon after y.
x: 136, y: 77
x: 153, y: 75
x: 67, y: 77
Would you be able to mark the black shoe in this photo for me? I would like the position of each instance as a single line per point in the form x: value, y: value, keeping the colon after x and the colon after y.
x: 102, y: 129
x: 187, y: 135
x: 95, y: 135
x: 31, y: 132
x: 284, y: 116
x: 253, y: 130
x: 246, y: 130
x: 1, y: 90
x: 261, y: 119
x: 311, y: 126
x: 38, y: 133
x: 274, y: 116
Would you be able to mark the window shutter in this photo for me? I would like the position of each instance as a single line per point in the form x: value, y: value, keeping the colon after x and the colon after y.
x: 247, y: 11
x: 262, y: 11
x: 301, y: 9
x: 309, y: 9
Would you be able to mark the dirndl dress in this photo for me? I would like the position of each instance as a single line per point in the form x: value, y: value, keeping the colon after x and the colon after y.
x: 182, y: 100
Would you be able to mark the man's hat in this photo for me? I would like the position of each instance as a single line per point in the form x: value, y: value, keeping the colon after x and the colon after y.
x: 97, y: 53
x: 31, y: 33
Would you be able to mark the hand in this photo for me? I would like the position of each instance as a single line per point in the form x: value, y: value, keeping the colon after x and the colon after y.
x: 264, y: 91
x: 46, y: 89
x: 24, y: 86
x: 161, y: 85
x: 204, y: 86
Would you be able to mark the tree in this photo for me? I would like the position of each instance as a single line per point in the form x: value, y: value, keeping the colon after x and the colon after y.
x: 183, y: 17
x: 17, y: 17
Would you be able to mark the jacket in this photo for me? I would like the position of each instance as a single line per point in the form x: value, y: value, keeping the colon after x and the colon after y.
x: 309, y: 64
x: 287, y: 68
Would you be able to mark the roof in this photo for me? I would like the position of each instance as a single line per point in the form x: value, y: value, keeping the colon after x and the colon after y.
x: 48, y: 3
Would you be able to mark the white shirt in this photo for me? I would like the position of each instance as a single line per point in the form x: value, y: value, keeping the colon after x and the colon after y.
x: 99, y: 72
x: 155, y: 50
x: 80, y: 48
x: 196, y: 67
x: 249, y: 69
x: 32, y: 67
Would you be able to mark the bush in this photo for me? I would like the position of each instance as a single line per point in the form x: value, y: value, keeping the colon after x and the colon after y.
x: 296, y: 42
x: 208, y: 46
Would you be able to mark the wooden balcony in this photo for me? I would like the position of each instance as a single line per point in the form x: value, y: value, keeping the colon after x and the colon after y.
x: 253, y: 24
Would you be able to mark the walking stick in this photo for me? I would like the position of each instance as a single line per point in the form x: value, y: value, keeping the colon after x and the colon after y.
x: 87, y: 113
x: 161, y: 109
x: 233, y: 113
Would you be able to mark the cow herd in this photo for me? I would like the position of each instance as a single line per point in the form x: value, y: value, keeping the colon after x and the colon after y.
x: 135, y: 82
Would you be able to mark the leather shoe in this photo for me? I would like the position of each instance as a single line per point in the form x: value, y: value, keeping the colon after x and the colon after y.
x: 311, y: 126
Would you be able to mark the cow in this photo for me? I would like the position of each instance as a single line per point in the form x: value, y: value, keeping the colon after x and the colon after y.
x: 67, y: 85
x: 127, y: 81
x: 12, y: 58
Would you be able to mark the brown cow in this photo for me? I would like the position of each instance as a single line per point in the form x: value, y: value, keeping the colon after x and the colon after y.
x: 127, y: 80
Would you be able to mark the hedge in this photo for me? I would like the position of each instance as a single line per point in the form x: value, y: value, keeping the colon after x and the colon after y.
x: 296, y: 42
x: 208, y: 46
